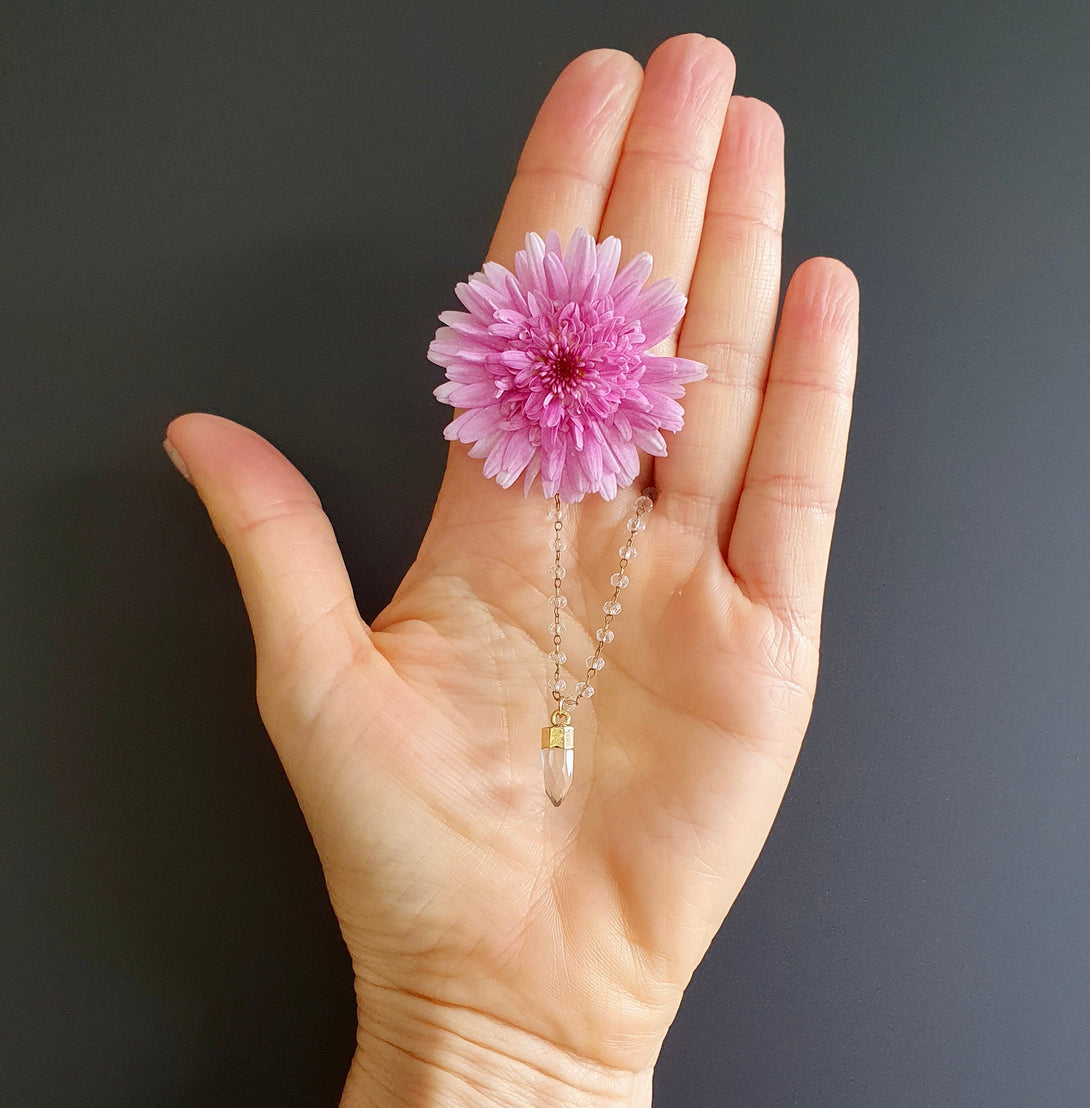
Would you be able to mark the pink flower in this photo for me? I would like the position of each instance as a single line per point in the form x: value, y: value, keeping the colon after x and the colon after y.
x: 550, y: 365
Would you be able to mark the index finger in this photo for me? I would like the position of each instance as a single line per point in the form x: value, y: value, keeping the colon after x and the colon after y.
x: 567, y: 165
x: 563, y: 180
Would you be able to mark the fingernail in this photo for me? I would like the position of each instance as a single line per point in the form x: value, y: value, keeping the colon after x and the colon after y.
x: 176, y: 458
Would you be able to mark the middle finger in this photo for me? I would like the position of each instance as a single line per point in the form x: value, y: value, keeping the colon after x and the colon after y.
x: 661, y: 187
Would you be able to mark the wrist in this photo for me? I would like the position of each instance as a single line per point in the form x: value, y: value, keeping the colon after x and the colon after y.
x: 411, y: 1050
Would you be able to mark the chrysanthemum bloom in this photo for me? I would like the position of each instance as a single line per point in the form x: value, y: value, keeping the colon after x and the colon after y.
x: 552, y: 369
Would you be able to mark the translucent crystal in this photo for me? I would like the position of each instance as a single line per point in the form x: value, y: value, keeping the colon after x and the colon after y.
x: 619, y: 581
x: 604, y: 634
x: 627, y: 551
x: 635, y: 525
x: 595, y: 662
x: 584, y: 690
x: 567, y: 703
x: 558, y: 657
x: 556, y: 766
x: 644, y: 504
x: 555, y: 516
x: 558, y: 601
x: 552, y: 682
x: 559, y: 572
x: 556, y: 628
x: 612, y: 607
x: 559, y: 544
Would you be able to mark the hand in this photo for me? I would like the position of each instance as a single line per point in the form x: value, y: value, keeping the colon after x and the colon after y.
x: 507, y: 952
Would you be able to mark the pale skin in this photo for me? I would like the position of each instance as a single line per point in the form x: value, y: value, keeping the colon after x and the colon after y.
x: 507, y: 952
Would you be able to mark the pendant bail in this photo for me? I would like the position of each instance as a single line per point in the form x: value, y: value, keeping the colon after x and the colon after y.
x: 558, y: 735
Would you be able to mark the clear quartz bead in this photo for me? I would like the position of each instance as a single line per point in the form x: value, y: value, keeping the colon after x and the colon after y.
x: 559, y: 572
x: 558, y: 601
x: 559, y: 544
x: 635, y: 525
x: 584, y: 690
x: 555, y: 684
x: 596, y: 662
x: 604, y: 634
x: 612, y: 607
x: 556, y: 767
x: 627, y: 551
x: 568, y: 704
x: 644, y: 504
x: 556, y: 515
x: 619, y: 581
x: 558, y: 657
x: 556, y: 628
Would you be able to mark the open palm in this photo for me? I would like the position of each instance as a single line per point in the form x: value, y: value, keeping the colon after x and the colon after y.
x: 490, y: 932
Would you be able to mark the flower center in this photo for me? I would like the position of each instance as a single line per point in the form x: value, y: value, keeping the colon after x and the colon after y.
x: 565, y: 367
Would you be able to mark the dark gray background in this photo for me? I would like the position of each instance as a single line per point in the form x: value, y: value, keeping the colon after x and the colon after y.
x: 257, y: 209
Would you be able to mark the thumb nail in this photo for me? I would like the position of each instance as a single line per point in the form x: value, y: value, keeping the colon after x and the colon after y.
x: 176, y: 458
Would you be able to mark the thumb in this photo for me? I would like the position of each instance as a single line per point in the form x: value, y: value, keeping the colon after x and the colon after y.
x: 285, y: 554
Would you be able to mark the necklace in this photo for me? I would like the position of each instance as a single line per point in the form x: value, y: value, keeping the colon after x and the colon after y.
x: 558, y: 737
x: 551, y: 368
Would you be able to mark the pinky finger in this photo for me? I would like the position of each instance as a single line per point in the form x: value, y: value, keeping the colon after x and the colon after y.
x: 779, y: 548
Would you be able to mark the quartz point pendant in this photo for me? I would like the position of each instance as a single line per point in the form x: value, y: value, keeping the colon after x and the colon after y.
x: 556, y: 765
x: 558, y: 756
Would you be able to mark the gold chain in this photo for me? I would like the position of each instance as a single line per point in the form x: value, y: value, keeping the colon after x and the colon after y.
x: 584, y: 690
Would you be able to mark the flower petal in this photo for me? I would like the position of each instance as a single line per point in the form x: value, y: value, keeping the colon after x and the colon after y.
x: 590, y: 457
x: 473, y: 424
x: 466, y: 324
x: 629, y: 281
x: 478, y: 297
x: 581, y: 262
x: 496, y: 275
x: 530, y: 264
x: 658, y: 308
x: 556, y: 277
x: 609, y: 257
x: 532, y: 470
x: 685, y: 369
x: 478, y: 394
